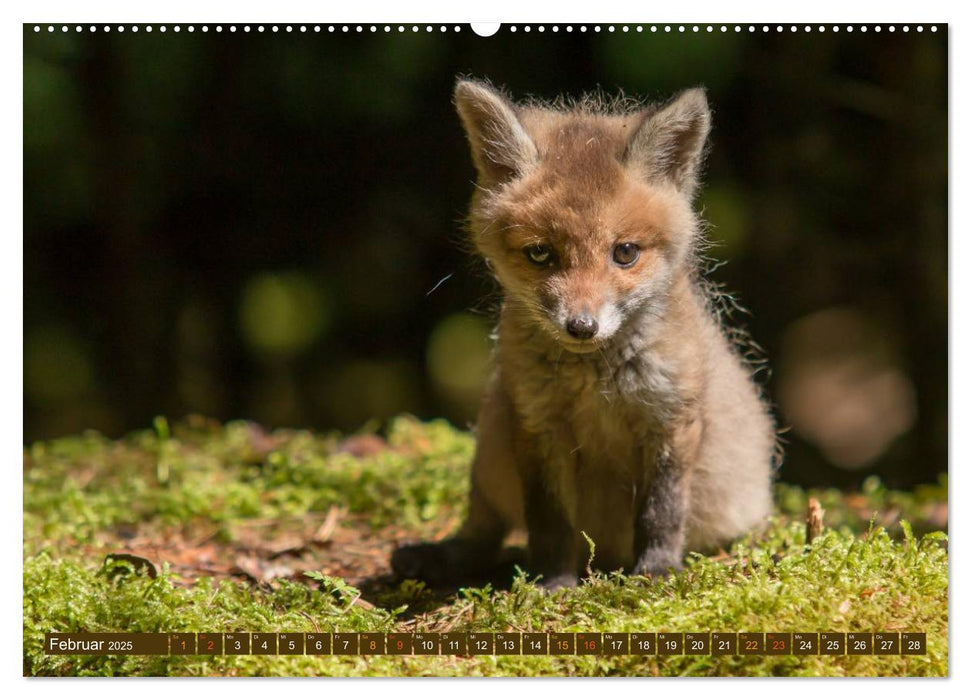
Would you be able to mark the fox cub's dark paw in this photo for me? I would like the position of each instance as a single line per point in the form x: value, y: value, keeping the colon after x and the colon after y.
x: 658, y: 564
x: 426, y: 561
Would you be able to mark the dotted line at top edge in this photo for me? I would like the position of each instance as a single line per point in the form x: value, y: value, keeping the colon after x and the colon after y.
x: 511, y: 28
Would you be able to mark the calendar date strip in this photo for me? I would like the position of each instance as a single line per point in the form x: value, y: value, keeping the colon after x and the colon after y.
x: 488, y: 643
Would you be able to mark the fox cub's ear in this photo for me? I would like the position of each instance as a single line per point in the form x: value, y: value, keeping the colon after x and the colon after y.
x: 669, y: 142
x: 501, y: 148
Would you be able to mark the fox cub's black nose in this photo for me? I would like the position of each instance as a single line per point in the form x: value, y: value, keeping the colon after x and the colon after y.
x: 582, y: 327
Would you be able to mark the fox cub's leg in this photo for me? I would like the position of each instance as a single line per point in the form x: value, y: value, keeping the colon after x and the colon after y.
x: 661, y: 515
x: 495, y: 506
x: 549, y: 492
x: 552, y: 540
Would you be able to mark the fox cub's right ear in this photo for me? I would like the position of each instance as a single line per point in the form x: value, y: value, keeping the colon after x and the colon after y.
x: 501, y: 148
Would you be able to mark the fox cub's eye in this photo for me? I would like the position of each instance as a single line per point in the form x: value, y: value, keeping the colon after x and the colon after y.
x: 626, y: 254
x: 539, y: 254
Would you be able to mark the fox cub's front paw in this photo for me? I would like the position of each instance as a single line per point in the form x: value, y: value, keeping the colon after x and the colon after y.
x: 426, y: 561
x: 658, y: 564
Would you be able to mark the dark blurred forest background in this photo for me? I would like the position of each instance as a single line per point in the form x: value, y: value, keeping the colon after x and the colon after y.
x: 250, y: 224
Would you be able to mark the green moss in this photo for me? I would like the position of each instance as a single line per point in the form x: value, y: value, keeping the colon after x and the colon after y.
x: 861, y: 575
x: 79, y: 486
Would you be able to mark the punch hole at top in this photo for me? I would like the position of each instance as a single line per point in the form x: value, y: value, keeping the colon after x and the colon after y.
x: 485, y: 28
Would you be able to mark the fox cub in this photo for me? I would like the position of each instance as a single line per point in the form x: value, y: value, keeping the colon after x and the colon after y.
x: 619, y: 408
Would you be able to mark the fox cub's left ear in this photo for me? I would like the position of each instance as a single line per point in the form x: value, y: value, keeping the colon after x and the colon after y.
x: 669, y: 143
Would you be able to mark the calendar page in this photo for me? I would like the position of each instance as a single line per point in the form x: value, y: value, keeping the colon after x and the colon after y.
x: 512, y: 349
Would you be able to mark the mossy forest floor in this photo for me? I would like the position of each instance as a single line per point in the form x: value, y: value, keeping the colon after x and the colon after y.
x: 201, y: 527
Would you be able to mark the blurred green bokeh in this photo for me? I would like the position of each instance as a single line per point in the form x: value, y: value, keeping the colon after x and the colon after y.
x: 458, y: 358
x: 268, y: 225
x: 282, y: 315
x: 49, y: 347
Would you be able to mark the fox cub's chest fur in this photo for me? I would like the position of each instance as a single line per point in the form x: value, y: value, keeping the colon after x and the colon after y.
x: 618, y: 410
x: 611, y: 403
